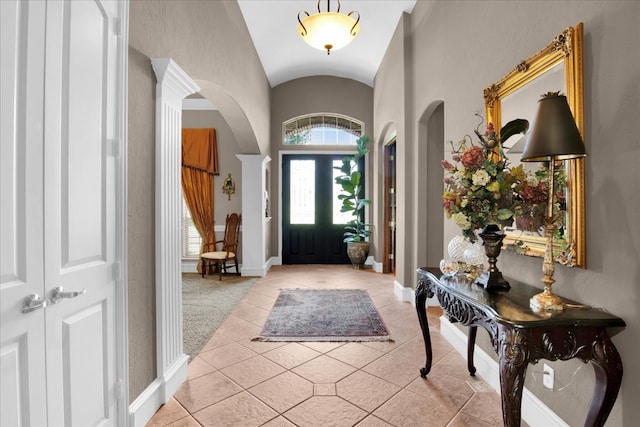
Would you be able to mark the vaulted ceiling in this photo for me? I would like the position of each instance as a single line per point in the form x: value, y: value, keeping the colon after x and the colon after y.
x: 285, y: 56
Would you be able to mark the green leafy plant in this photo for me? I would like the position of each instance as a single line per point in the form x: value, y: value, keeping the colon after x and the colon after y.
x: 298, y: 138
x: 356, y: 229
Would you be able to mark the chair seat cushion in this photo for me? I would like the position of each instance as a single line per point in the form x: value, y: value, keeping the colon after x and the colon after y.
x: 219, y: 255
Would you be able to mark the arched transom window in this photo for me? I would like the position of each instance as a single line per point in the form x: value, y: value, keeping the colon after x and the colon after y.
x: 322, y: 129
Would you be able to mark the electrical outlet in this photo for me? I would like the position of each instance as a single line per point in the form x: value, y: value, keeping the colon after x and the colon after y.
x: 547, y: 377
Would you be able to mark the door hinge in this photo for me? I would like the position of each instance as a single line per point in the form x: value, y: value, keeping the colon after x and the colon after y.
x: 117, y: 27
x: 114, y: 147
x: 116, y: 270
x: 390, y: 256
x: 119, y: 390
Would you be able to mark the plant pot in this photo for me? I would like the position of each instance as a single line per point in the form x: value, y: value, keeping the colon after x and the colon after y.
x: 358, y: 252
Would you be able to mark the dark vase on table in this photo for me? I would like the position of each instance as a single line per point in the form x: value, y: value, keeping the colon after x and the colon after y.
x: 492, y: 279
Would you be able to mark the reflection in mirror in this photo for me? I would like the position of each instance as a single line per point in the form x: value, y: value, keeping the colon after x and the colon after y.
x: 523, y: 104
x: 558, y: 67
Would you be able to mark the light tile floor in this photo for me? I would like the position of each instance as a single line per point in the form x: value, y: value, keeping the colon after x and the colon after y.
x: 238, y: 382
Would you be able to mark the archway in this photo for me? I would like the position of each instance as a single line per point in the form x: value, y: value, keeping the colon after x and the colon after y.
x: 233, y: 115
x: 430, y: 215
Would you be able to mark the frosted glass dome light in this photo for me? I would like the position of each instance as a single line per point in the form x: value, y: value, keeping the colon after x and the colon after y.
x: 328, y: 30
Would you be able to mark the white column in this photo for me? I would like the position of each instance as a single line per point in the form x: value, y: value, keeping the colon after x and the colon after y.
x: 254, y: 222
x: 173, y: 85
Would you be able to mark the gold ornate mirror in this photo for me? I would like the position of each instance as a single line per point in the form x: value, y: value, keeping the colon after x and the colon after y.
x: 557, y: 67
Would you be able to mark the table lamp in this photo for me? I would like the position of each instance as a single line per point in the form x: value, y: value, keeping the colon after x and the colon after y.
x: 554, y: 137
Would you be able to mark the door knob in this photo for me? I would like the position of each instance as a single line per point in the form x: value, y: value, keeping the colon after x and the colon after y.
x: 58, y: 294
x: 32, y: 303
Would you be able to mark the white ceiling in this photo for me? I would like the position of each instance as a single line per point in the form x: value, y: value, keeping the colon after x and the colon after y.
x: 285, y: 56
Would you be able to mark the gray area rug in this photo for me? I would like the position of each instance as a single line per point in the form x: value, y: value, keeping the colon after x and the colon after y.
x: 206, y: 303
x: 324, y: 315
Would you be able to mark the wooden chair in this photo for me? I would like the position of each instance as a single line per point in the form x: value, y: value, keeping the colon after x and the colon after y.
x: 212, y: 257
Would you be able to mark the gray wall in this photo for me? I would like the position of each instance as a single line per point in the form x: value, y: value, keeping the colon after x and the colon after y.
x: 460, y: 47
x: 392, y: 94
x: 320, y: 94
x: 141, y: 223
x: 208, y: 40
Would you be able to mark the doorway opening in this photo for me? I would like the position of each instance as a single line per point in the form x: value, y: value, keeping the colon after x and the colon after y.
x: 312, y: 224
x: 389, y: 242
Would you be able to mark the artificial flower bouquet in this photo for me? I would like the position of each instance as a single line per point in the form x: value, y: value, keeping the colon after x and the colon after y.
x: 480, y: 188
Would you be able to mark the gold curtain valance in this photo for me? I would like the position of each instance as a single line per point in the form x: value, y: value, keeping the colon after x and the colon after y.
x: 200, y: 150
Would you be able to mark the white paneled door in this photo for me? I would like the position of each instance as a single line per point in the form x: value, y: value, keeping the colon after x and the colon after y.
x: 61, y: 214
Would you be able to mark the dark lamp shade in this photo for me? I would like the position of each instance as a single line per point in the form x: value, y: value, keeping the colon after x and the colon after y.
x: 555, y: 134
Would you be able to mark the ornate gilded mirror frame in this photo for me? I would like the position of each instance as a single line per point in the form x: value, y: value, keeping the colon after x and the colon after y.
x: 565, y: 51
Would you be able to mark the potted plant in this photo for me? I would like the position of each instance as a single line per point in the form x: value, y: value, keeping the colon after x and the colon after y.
x: 356, y: 230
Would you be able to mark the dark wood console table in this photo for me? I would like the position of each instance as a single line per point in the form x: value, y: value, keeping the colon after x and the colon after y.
x: 521, y: 336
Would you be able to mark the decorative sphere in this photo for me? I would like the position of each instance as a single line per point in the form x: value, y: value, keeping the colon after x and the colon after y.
x: 474, y: 254
x: 457, y: 246
x: 448, y: 267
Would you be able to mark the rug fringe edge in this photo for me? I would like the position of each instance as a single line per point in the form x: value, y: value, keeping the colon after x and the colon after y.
x: 323, y: 339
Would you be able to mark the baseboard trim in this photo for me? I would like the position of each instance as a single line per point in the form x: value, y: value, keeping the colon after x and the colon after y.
x: 254, y: 272
x: 175, y: 376
x: 534, y: 411
x: 403, y: 293
x: 157, y: 393
x: 275, y: 260
x: 259, y: 272
x: 189, y: 265
x: 408, y: 294
x: 146, y: 404
x: 375, y: 265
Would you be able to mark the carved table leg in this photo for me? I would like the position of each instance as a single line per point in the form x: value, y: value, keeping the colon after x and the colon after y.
x: 608, y: 368
x: 423, y: 291
x: 471, y: 343
x: 514, y: 358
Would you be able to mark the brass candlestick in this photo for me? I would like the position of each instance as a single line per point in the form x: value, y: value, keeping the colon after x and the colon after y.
x: 547, y: 300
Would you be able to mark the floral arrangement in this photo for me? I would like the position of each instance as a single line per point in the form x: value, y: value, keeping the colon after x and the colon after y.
x: 480, y: 188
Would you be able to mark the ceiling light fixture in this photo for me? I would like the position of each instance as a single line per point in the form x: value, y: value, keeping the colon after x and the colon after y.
x: 328, y: 30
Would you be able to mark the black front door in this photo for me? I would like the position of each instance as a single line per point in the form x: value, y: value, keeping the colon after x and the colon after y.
x: 312, y: 225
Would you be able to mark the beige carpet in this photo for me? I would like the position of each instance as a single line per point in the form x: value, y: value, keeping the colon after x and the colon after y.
x: 206, y: 303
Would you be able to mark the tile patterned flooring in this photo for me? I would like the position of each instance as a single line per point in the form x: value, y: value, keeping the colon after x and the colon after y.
x: 237, y: 382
